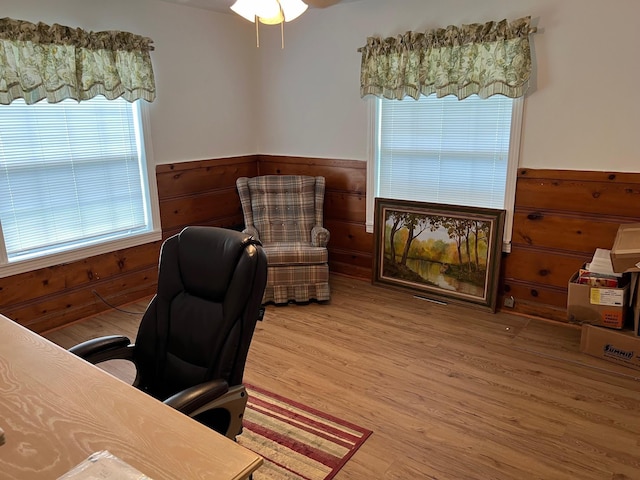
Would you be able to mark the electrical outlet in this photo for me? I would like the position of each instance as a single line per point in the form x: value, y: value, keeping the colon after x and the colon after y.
x: 509, y: 302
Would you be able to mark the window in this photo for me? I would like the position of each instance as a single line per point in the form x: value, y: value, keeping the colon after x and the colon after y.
x: 73, y: 182
x: 445, y: 150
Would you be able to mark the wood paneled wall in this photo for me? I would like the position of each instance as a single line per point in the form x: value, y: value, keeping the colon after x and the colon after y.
x: 55, y: 296
x: 561, y: 217
x: 202, y: 192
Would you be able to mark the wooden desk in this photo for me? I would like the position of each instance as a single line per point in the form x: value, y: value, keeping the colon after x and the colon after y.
x: 57, y: 409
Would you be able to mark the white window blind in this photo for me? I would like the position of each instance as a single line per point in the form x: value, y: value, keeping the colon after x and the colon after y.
x: 445, y: 150
x: 71, y: 175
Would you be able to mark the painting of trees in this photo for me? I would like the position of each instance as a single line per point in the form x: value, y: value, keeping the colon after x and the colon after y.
x: 465, y: 234
x: 440, y: 247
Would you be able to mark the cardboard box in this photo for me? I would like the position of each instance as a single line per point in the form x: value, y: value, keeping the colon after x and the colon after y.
x: 634, y: 302
x: 625, y: 254
x: 603, y: 306
x: 621, y: 347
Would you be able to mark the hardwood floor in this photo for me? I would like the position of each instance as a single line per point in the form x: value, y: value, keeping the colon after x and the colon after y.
x: 450, y: 392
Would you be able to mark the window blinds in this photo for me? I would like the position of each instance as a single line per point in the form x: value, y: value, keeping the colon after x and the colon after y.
x: 70, y: 175
x: 444, y: 150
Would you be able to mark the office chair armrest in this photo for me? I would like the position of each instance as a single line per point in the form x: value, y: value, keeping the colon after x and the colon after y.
x: 191, y: 399
x: 105, y: 348
x: 319, y: 236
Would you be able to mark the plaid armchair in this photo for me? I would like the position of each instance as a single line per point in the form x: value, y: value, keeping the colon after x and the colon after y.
x: 285, y: 213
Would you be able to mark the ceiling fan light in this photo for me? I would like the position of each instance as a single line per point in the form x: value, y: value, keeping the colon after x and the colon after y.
x: 246, y: 9
x: 267, y: 9
x: 292, y: 9
x: 274, y: 20
x: 269, y: 12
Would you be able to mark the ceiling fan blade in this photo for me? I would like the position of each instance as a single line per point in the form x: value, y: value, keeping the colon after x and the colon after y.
x: 321, y: 3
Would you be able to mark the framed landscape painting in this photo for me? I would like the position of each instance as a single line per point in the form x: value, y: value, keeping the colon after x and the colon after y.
x: 440, y: 252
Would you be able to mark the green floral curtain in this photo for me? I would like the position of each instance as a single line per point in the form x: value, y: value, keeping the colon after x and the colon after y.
x: 483, y: 59
x: 56, y: 62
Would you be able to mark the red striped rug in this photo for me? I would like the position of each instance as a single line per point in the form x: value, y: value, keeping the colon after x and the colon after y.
x: 296, y: 442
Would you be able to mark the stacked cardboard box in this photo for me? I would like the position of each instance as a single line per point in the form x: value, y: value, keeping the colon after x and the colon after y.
x: 618, y: 346
x: 597, y: 295
x: 625, y: 257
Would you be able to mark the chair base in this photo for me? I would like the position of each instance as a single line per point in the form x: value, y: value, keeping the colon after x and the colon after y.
x: 234, y: 402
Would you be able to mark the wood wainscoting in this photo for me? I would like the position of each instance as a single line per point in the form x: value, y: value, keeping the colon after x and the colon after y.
x: 52, y: 297
x: 561, y: 217
x: 202, y: 192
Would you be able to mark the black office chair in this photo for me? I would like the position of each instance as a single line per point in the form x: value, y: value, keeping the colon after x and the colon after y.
x: 194, y: 337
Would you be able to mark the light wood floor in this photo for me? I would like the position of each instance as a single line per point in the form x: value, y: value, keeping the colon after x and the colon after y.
x: 450, y: 392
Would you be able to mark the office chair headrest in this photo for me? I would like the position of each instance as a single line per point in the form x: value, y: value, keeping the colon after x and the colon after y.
x: 208, y: 257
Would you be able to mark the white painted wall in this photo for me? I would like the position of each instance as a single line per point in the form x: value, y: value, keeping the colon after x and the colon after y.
x: 582, y: 111
x: 205, y: 64
x: 219, y: 96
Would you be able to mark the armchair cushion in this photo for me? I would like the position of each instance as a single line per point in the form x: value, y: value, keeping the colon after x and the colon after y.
x: 281, y: 253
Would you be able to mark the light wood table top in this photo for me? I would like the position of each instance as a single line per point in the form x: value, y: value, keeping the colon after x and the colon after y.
x: 56, y: 410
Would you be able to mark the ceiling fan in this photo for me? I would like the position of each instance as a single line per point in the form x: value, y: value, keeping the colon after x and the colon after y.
x: 321, y: 3
x: 288, y: 9
x: 248, y: 8
x: 276, y: 12
x: 222, y: 6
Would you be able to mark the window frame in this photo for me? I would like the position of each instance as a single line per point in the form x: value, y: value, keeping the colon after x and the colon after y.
x: 141, y: 122
x: 373, y: 107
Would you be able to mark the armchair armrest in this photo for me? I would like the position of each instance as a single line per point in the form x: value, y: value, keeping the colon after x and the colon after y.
x: 319, y: 236
x: 191, y: 399
x: 105, y: 348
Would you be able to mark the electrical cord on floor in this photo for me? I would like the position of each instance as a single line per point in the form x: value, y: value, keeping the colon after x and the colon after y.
x: 113, y: 306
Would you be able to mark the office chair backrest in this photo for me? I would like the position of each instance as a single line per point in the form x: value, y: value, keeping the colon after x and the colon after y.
x: 199, y: 325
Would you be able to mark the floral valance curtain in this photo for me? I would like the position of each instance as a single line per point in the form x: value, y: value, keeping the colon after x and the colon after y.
x: 483, y: 59
x: 55, y: 62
